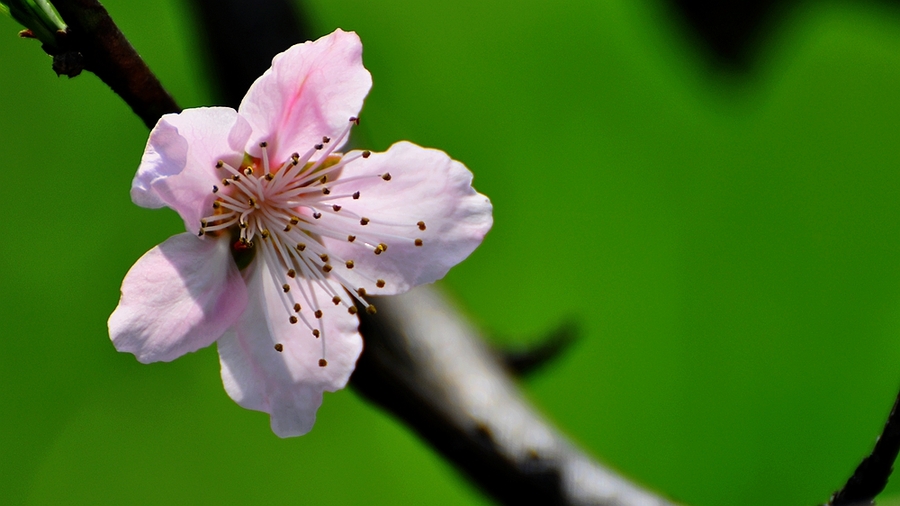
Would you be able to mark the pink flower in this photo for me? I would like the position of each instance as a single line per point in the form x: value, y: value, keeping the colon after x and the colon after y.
x: 286, y: 236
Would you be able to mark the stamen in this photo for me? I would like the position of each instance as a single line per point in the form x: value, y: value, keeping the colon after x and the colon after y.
x: 418, y: 242
x: 322, y: 362
x: 278, y: 347
x: 421, y: 225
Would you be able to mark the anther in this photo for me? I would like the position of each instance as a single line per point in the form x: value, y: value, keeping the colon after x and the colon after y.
x: 251, y: 202
x: 378, y: 250
x: 349, y: 264
x: 327, y: 268
x: 315, y: 332
x: 269, y: 176
x: 326, y: 139
x: 215, y: 189
x: 264, y: 233
x: 292, y: 319
x: 318, y: 314
x: 354, y: 119
x: 366, y: 153
x: 356, y: 196
x: 323, y: 179
x: 351, y: 238
x: 336, y: 300
x: 421, y: 225
x: 236, y: 177
x: 322, y: 362
x: 291, y: 273
x: 301, y: 246
x: 203, y: 223
x: 386, y: 176
x: 371, y: 309
x: 317, y: 215
x: 279, y: 348
x: 380, y: 283
x: 200, y: 233
x: 295, y: 156
x: 263, y: 144
x: 418, y: 242
x: 326, y: 191
x: 297, y: 308
x: 220, y: 164
x: 364, y: 221
x: 361, y: 291
x: 216, y: 205
x: 286, y: 287
x: 248, y: 171
x: 383, y: 246
x: 319, y: 146
x: 324, y: 257
x: 352, y: 310
x: 287, y: 228
x: 336, y: 208
x: 295, y: 220
x: 226, y: 182
x: 242, y: 224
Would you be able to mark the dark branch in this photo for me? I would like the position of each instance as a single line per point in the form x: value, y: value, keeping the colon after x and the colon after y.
x: 873, y: 472
x: 525, y: 360
x: 425, y: 364
x: 109, y: 55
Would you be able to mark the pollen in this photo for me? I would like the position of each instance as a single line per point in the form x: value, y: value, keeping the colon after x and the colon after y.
x: 279, y: 347
x: 322, y: 362
x: 352, y: 310
x: 292, y: 319
x: 291, y: 273
x: 371, y: 309
x: 349, y: 264
x: 351, y: 238
x: 318, y: 313
x: 419, y: 242
x: 286, y: 287
x: 297, y: 308
x: 386, y: 176
x: 421, y: 225
x: 336, y: 300
x: 316, y: 332
x: 356, y: 196
x: 380, y: 283
x: 364, y: 221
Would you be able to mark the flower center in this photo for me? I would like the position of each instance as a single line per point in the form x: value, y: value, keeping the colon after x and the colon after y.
x: 275, y: 212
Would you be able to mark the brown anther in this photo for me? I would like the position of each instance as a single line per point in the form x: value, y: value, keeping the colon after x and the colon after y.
x: 326, y: 139
x: 364, y: 221
x: 319, y: 146
x: 324, y: 257
x: 215, y: 189
x: 322, y: 362
x: 295, y: 156
x: 264, y: 233
x: 317, y: 215
x: 351, y: 238
x: 326, y: 191
x: 292, y: 319
x: 286, y: 287
x: 216, y: 205
x: 418, y: 242
x: 323, y: 179
x: 318, y: 314
x: 336, y: 208
x: 378, y: 249
x: 220, y: 164
x: 356, y: 196
x: 200, y: 233
x: 361, y: 291
x: 295, y: 220
x: 226, y: 182
x: 291, y: 273
x: 386, y: 176
x: 352, y: 310
x: 421, y: 225
x: 236, y: 177
x: 269, y: 176
x: 366, y: 153
x: 203, y: 223
x: 263, y: 144
x: 336, y: 300
x: 383, y: 246
x: 371, y: 309
x: 251, y: 202
x: 287, y: 228
x: 297, y: 307
x: 242, y: 224
x: 354, y: 119
x: 301, y: 246
x: 379, y: 283
x: 349, y: 264
x: 327, y: 268
x: 278, y: 347
x: 316, y: 332
x: 248, y: 171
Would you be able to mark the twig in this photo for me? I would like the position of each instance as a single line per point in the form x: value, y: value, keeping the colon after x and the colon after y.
x: 873, y: 472
x: 109, y: 55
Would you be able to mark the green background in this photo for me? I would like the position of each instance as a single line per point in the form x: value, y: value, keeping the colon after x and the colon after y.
x: 730, y: 247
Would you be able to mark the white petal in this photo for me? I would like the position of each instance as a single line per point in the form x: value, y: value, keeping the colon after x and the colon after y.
x: 289, y: 384
x: 179, y: 297
x: 426, y: 185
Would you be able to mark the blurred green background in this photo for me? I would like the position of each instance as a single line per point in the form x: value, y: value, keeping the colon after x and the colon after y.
x: 730, y: 246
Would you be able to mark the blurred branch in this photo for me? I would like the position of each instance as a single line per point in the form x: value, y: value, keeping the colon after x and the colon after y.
x: 106, y: 52
x: 873, y: 472
x: 525, y: 360
x: 428, y: 366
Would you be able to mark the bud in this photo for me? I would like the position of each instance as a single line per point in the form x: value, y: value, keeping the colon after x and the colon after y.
x: 39, y: 17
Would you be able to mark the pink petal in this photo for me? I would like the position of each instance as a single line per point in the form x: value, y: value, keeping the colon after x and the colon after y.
x: 289, y: 384
x: 178, y: 166
x: 426, y: 185
x: 179, y: 297
x: 311, y: 91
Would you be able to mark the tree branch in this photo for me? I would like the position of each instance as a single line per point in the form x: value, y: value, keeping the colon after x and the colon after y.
x: 109, y: 55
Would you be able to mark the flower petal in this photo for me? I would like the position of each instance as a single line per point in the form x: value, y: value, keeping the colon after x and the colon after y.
x: 425, y: 186
x: 179, y: 297
x: 288, y: 384
x: 311, y: 90
x: 178, y: 166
